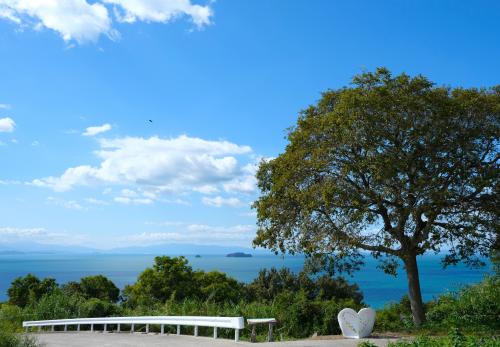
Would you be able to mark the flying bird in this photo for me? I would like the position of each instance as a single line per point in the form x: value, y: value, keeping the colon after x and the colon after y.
x: 150, y: 121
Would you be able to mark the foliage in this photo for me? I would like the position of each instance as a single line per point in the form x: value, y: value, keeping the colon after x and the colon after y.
x: 395, y: 316
x: 218, y: 287
x: 8, y: 339
x: 270, y: 283
x: 173, y: 278
x: 56, y: 305
x: 11, y: 317
x: 454, y: 339
x: 98, y: 287
x: 366, y: 344
x: 29, y: 288
x: 474, y: 309
x: 98, y: 308
x: 303, y: 305
x: 168, y: 277
x: 392, y: 165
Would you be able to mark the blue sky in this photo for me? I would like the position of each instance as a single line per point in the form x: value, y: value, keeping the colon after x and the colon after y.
x: 221, y: 81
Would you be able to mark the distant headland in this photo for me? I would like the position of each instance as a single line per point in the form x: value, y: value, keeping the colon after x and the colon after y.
x: 239, y: 255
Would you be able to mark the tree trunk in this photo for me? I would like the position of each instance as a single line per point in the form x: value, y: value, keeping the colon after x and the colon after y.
x: 417, y: 306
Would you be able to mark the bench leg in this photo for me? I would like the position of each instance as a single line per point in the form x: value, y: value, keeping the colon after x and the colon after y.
x: 178, y: 330
x: 78, y: 327
x: 253, y: 336
x: 195, y: 330
x: 132, y: 328
x: 270, y: 333
x: 92, y: 327
x: 105, y: 328
x: 162, y: 329
x: 236, y: 335
x: 215, y: 332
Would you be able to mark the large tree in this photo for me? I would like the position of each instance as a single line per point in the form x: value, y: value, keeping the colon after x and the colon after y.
x: 392, y: 165
x: 29, y: 289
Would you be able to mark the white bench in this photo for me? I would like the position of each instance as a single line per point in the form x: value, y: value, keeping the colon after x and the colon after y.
x: 256, y: 321
x: 236, y: 323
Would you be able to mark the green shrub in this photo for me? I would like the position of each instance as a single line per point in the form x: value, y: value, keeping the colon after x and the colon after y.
x: 12, y: 340
x: 27, y: 289
x: 11, y: 318
x: 366, y: 344
x: 475, y: 307
x: 56, y: 305
x: 394, y: 316
x: 98, y: 308
x: 454, y: 339
x: 99, y: 287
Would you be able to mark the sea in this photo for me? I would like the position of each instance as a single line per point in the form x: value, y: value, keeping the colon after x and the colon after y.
x: 378, y: 288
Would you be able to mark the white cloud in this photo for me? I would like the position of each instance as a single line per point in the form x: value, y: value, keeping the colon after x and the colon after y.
x: 207, y: 189
x: 219, y: 201
x: 4, y: 106
x: 92, y: 131
x: 245, y: 184
x: 176, y: 202
x: 252, y: 214
x: 86, y: 20
x: 165, y: 223
x: 156, y: 165
x: 198, y: 234
x: 69, y: 204
x: 133, y: 201
x: 94, y: 201
x: 21, y: 232
x: 160, y: 11
x: 128, y: 193
x: 75, y: 20
x: 9, y: 182
x: 40, y: 235
x: 7, y: 125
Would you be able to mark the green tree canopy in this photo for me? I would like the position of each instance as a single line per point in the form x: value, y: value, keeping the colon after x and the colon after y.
x: 98, y: 287
x: 168, y: 277
x: 270, y: 283
x: 174, y: 278
x: 216, y: 286
x: 391, y: 165
x: 29, y: 288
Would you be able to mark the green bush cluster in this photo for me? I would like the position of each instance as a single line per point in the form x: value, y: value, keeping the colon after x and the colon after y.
x: 474, y: 308
x: 303, y: 305
x: 9, y: 339
x: 454, y: 339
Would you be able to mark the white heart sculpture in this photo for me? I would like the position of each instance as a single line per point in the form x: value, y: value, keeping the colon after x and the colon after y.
x: 356, y: 325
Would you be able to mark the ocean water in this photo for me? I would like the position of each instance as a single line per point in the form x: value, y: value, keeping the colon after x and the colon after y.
x: 377, y: 287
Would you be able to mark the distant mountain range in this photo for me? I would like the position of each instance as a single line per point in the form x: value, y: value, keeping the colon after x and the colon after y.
x: 166, y: 248
x: 34, y: 247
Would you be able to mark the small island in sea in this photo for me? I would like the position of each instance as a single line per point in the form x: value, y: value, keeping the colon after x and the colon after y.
x: 239, y: 255
x: 197, y: 256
